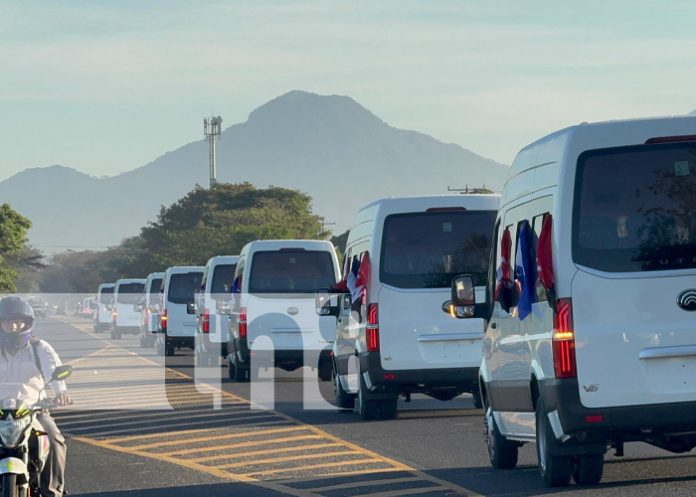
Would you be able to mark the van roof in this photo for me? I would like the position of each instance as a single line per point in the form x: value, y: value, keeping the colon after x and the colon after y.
x: 184, y: 269
x: 106, y: 285
x: 124, y: 281
x: 152, y: 276
x: 605, y: 134
x: 269, y: 245
x: 222, y: 259
x: 473, y: 201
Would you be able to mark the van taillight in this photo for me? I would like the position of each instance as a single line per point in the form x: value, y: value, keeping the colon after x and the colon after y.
x: 243, y: 323
x: 372, y: 328
x: 206, y: 321
x: 163, y: 320
x: 564, y: 364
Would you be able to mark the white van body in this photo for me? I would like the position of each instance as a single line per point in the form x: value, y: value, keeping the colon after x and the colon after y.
x: 102, y: 316
x: 126, y: 318
x: 607, y: 352
x: 279, y: 280
x: 179, y: 287
x: 415, y: 245
x: 150, y: 309
x: 213, y: 307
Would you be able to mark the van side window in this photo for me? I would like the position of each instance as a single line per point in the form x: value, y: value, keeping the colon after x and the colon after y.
x: 492, y: 265
x: 505, y: 288
x: 525, y: 268
x: 537, y: 223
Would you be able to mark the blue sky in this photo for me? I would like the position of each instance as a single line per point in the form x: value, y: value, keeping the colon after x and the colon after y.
x: 106, y: 86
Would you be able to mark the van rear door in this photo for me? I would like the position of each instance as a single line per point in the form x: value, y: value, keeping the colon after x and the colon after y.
x: 634, y: 242
x: 421, y: 254
x: 281, y: 300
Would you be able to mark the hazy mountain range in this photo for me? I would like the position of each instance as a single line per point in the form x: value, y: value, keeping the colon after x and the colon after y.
x: 330, y: 147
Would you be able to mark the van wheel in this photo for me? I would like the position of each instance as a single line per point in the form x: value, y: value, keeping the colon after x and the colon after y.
x: 589, y: 469
x: 555, y: 470
x: 344, y: 400
x: 367, y: 409
x: 236, y: 370
x: 476, y: 398
x: 501, y: 452
x: 169, y: 349
x: 325, y: 370
x: 388, y: 408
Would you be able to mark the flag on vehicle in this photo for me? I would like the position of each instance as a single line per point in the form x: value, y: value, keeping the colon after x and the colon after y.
x: 525, y: 271
x: 504, y: 288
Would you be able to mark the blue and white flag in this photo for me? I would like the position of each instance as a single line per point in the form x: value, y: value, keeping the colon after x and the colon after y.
x: 525, y: 271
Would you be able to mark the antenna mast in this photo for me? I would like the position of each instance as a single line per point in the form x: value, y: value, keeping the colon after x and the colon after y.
x: 211, y: 129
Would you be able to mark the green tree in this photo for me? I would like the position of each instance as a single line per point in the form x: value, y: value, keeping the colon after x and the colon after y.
x: 13, y: 238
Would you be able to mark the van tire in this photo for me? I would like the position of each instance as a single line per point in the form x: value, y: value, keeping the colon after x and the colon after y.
x: 235, y: 370
x: 169, y: 349
x: 389, y: 408
x: 344, y: 400
x: 502, y: 453
x: 367, y: 408
x: 476, y: 398
x: 589, y: 469
x: 555, y: 470
x: 325, y: 370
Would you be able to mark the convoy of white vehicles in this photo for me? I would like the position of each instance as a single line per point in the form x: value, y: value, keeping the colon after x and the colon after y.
x: 565, y: 306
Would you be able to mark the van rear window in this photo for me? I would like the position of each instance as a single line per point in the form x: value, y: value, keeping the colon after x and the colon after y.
x: 428, y: 249
x: 223, y: 276
x: 106, y: 295
x: 182, y: 286
x: 155, y: 285
x: 130, y: 293
x: 635, y: 208
x: 288, y: 272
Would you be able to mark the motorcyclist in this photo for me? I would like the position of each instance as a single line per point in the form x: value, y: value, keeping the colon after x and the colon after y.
x: 26, y: 364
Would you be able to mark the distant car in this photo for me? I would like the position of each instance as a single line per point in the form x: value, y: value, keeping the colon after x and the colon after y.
x: 89, y: 307
x: 212, y: 309
x: 102, y: 314
x: 39, y: 306
x: 125, y: 318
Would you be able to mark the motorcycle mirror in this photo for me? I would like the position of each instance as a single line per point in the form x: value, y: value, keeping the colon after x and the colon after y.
x: 62, y: 372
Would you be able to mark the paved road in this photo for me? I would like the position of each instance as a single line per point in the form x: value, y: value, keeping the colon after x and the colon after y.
x: 142, y: 426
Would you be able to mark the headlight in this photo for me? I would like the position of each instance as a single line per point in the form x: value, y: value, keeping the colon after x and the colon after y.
x: 11, y: 430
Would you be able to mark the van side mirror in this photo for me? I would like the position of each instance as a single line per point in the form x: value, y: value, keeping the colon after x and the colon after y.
x: 191, y: 308
x: 62, y: 372
x: 326, y: 303
x: 463, y: 297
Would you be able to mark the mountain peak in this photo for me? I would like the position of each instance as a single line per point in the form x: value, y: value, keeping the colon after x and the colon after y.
x: 303, y: 105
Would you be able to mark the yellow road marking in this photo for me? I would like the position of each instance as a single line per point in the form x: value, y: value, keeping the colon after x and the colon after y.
x: 217, y: 437
x: 254, y: 443
x: 295, y: 448
x: 316, y: 466
x: 272, y: 460
x: 366, y: 483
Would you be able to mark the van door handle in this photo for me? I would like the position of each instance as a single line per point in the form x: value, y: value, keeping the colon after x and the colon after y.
x: 494, y: 325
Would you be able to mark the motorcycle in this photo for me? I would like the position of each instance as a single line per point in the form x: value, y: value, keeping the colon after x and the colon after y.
x: 24, y: 446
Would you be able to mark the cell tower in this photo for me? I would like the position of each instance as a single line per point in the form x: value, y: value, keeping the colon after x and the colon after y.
x: 211, y: 129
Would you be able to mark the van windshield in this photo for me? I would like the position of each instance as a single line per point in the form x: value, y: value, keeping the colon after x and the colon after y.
x: 130, y: 293
x: 223, y: 276
x: 290, y: 271
x: 428, y: 249
x: 182, y: 286
x: 106, y: 295
x: 635, y: 208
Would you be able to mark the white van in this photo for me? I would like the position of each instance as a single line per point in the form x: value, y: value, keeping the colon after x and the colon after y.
x: 178, y: 318
x: 102, y: 315
x: 125, y: 316
x: 213, y: 308
x: 273, y: 306
x: 397, y: 333
x: 150, y: 309
x: 591, y: 338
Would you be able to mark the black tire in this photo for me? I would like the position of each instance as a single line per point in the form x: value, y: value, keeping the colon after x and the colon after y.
x: 367, y: 408
x: 502, y: 453
x: 476, y: 398
x: 9, y: 485
x: 325, y: 370
x: 555, y: 470
x: 589, y: 469
x: 169, y: 349
x: 344, y: 400
x: 235, y: 370
x: 388, y: 409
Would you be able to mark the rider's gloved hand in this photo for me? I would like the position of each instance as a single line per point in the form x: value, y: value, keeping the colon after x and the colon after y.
x: 63, y: 399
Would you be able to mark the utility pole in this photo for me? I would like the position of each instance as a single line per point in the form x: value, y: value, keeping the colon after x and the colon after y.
x: 211, y: 130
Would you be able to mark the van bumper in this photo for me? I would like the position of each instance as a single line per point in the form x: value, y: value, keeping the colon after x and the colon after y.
x: 638, y: 422
x: 448, y: 381
x: 288, y: 360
